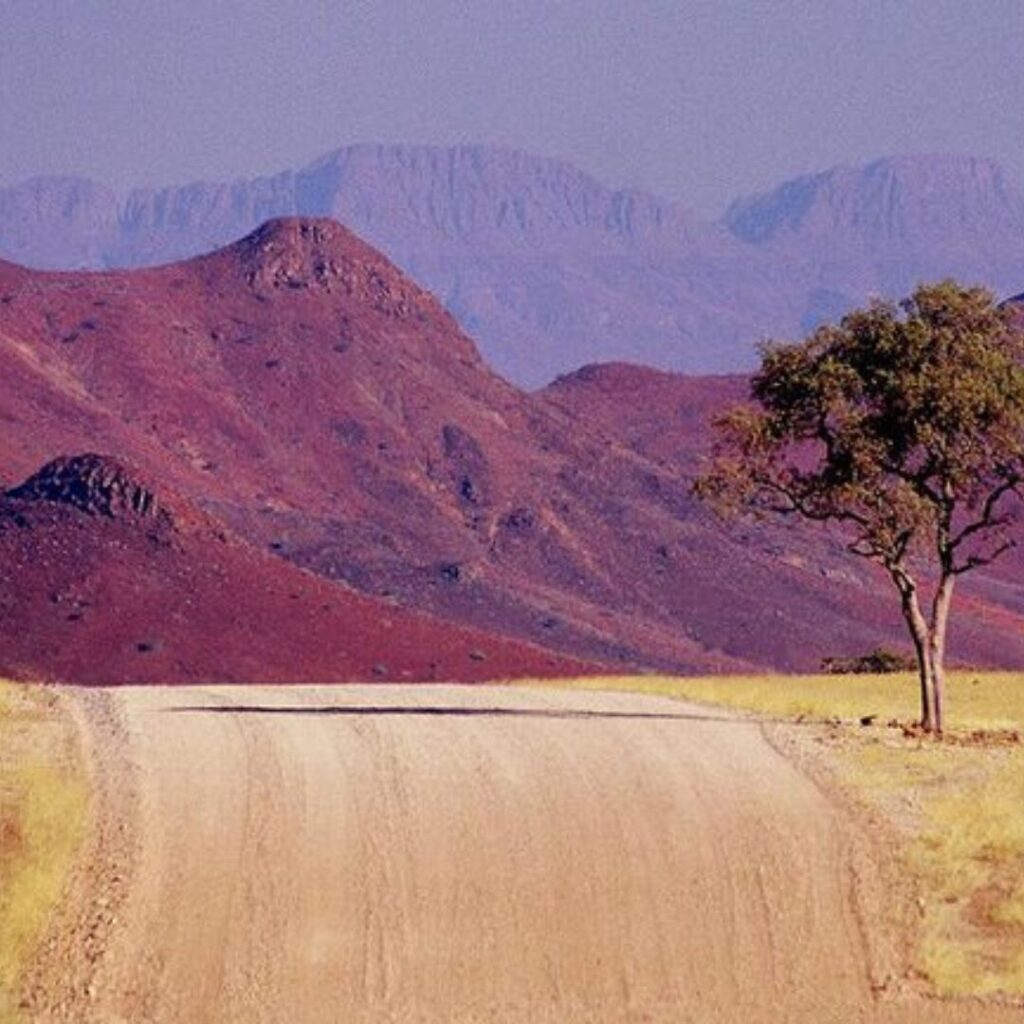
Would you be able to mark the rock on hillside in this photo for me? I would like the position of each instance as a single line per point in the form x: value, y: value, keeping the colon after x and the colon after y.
x: 92, y: 483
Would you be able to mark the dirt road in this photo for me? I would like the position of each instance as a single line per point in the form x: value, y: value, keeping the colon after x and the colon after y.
x: 452, y: 854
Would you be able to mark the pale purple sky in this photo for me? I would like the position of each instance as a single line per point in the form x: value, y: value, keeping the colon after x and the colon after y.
x: 698, y: 101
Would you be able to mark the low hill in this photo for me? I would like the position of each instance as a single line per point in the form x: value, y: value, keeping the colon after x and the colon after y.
x: 664, y: 416
x: 102, y: 580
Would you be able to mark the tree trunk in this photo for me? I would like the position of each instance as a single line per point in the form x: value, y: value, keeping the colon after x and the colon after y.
x: 923, y: 647
x: 929, y: 644
x: 938, y: 696
x: 937, y: 646
x: 927, y: 686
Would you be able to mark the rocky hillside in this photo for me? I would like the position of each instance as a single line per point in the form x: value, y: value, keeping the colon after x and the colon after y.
x: 100, y: 582
x: 296, y: 388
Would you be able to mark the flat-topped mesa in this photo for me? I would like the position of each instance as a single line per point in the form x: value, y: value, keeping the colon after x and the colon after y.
x: 94, y: 484
x: 319, y: 255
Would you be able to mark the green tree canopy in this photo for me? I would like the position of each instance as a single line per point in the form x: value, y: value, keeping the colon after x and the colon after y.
x: 905, y: 424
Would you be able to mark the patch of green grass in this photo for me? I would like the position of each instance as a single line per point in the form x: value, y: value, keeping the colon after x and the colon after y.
x: 43, y: 801
x: 958, y: 805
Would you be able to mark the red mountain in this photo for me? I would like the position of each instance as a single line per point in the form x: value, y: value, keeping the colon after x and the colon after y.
x: 298, y: 388
x: 666, y: 417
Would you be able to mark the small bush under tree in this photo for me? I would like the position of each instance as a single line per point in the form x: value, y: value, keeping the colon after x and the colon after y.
x: 880, y: 661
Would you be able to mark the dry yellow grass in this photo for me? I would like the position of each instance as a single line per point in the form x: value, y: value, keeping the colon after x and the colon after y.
x: 959, y: 806
x: 42, y: 819
x: 975, y: 700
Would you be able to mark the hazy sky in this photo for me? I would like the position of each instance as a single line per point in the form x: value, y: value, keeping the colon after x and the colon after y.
x: 698, y: 101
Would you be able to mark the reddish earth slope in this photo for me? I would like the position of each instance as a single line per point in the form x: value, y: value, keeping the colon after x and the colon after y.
x: 298, y: 388
x: 101, y: 581
x: 666, y: 417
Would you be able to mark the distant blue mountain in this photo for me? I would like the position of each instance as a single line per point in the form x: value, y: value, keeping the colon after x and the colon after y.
x: 548, y: 269
x: 887, y: 225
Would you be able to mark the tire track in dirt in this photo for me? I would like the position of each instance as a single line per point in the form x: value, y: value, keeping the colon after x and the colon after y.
x: 470, y: 854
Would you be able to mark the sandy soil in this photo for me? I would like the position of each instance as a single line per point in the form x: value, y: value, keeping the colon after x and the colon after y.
x: 460, y: 854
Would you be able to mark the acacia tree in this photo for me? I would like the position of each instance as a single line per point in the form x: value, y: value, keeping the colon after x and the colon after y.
x: 905, y: 425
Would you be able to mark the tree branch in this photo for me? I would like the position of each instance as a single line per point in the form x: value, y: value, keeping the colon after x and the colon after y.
x: 977, y: 561
x: 988, y: 518
x: 799, y: 503
x: 917, y: 481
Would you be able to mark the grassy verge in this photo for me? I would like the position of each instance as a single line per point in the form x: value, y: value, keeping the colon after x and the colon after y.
x: 959, y: 805
x: 43, y: 801
x: 990, y: 700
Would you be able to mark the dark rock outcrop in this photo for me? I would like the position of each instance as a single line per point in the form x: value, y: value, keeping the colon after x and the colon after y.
x: 91, y: 593
x: 95, y: 484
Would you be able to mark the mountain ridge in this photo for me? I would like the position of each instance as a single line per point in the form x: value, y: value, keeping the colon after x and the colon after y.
x: 854, y: 191
x: 549, y: 269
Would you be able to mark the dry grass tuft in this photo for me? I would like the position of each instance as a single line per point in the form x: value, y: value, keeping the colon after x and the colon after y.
x: 43, y: 801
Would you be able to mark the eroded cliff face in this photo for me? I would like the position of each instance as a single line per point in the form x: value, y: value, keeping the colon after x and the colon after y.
x: 892, y: 202
x: 882, y: 228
